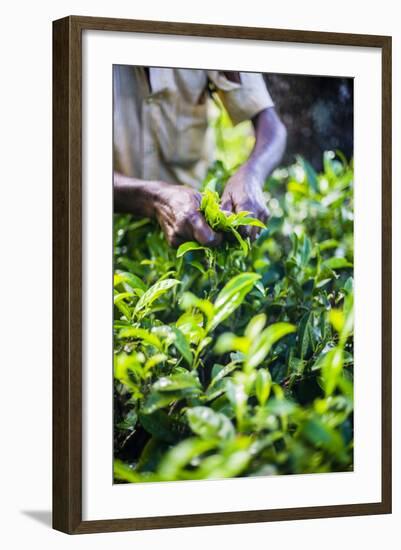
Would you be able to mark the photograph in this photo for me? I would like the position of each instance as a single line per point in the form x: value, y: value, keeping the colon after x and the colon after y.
x: 233, y: 274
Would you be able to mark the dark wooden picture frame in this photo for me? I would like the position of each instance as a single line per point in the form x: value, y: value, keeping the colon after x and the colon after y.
x: 67, y: 274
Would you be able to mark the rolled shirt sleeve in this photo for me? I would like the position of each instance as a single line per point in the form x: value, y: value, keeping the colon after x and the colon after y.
x: 242, y: 100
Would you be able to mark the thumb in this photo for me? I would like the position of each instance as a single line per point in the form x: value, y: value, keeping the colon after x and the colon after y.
x: 202, y: 232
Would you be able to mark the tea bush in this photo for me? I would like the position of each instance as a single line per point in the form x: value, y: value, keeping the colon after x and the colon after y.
x: 238, y: 361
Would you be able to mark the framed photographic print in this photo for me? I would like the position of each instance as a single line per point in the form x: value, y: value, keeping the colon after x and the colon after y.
x: 222, y: 275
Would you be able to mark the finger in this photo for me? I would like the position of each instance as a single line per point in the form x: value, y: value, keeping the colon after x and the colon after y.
x: 226, y: 203
x: 261, y: 213
x: 198, y: 198
x: 246, y: 231
x: 264, y: 214
x: 202, y: 232
x: 254, y: 233
x: 173, y: 237
x: 175, y: 240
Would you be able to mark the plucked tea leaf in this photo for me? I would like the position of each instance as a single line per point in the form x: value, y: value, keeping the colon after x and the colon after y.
x: 188, y: 247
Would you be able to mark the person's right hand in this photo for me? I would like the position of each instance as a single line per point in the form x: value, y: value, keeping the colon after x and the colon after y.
x: 177, y: 210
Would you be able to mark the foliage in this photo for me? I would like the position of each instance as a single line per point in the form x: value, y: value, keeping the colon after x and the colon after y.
x: 233, y: 144
x: 237, y: 361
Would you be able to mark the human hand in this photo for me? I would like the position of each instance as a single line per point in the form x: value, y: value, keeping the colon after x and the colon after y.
x: 177, y: 210
x: 243, y: 191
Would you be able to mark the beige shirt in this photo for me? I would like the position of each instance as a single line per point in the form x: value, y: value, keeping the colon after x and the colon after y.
x: 160, y: 131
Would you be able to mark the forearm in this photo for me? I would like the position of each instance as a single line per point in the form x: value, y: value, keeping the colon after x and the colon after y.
x: 244, y: 190
x: 270, y: 141
x: 134, y: 195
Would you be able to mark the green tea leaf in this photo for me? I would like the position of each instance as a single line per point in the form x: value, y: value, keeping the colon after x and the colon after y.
x: 323, y: 436
x: 207, y: 423
x: 158, y: 400
x: 262, y: 345
x: 331, y: 369
x: 162, y: 426
x: 181, y: 455
x: 306, y: 250
x: 231, y: 297
x: 255, y: 326
x: 154, y: 292
x: 191, y: 325
x: 263, y: 385
x: 238, y: 397
x: 141, y: 334
x: 188, y: 247
x: 219, y: 220
x: 337, y: 263
x: 242, y: 218
x: 222, y: 371
x: 311, y: 176
x: 230, y: 342
x: 124, y: 473
x: 176, y: 382
x: 305, y: 335
x: 130, y: 278
x: 182, y: 345
x: 189, y: 300
x: 336, y: 317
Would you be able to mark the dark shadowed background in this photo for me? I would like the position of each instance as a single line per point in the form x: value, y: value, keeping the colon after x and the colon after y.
x: 318, y: 114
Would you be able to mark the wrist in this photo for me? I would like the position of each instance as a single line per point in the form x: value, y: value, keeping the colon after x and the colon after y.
x: 135, y: 196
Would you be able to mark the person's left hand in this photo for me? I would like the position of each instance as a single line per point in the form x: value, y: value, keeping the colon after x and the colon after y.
x: 243, y: 191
